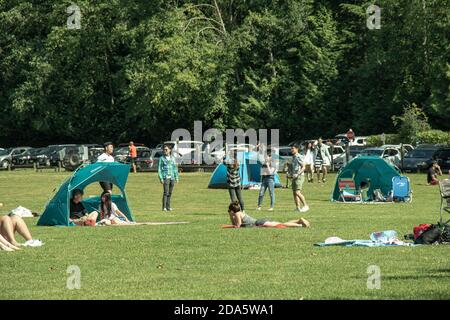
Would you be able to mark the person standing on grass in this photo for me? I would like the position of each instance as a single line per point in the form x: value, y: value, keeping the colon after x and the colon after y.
x: 297, y: 172
x: 133, y: 155
x: 168, y: 175
x: 234, y: 178
x: 268, y: 171
x: 107, y: 156
x: 309, y: 161
x: 322, y: 159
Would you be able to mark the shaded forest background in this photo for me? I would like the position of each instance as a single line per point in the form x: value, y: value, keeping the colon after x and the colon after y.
x: 140, y: 69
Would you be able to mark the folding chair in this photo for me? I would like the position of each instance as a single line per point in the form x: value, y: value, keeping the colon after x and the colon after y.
x: 444, y: 187
x: 401, y: 189
x: 348, y: 190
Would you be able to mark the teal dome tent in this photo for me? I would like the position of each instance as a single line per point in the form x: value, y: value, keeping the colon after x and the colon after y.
x: 250, y: 171
x: 375, y: 169
x: 56, y: 212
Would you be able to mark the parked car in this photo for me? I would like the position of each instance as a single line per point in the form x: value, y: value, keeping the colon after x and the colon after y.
x: 55, y: 153
x: 76, y: 156
x: 144, y: 161
x: 406, y: 147
x: 26, y: 159
x: 6, y: 155
x: 154, y: 157
x: 442, y: 156
x: 122, y: 154
x: 218, y: 155
x: 417, y: 159
x: 389, y: 154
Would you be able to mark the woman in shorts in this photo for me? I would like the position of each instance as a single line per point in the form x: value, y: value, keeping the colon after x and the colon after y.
x: 240, y: 219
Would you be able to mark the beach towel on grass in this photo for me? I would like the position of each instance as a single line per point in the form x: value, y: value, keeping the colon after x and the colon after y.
x: 387, y: 238
x: 148, y: 223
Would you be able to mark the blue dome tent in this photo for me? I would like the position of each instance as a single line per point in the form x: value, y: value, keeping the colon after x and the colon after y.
x: 56, y: 212
x: 250, y: 171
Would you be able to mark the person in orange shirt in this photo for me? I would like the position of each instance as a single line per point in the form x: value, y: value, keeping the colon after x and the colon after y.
x: 133, y: 155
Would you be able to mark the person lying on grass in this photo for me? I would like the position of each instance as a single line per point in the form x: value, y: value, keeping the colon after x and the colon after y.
x: 241, y: 220
x: 78, y: 213
x: 109, y: 213
x: 9, y: 225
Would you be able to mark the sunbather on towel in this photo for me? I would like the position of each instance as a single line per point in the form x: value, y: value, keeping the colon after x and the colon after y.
x: 9, y: 225
x: 240, y: 219
x: 109, y: 213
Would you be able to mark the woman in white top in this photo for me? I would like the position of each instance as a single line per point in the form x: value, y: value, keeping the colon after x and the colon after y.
x: 309, y: 162
x: 109, y: 213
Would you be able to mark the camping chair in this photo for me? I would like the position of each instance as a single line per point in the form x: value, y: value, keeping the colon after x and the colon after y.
x: 348, y: 191
x: 401, y: 189
x: 444, y: 187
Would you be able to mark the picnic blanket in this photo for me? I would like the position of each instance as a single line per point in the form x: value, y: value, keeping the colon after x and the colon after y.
x: 149, y: 223
x: 387, y: 238
x: 226, y: 226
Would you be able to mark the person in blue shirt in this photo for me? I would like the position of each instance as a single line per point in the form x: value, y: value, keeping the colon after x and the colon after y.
x: 168, y: 175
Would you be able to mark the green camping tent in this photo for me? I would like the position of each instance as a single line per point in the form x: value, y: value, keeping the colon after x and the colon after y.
x: 56, y: 212
x: 362, y: 168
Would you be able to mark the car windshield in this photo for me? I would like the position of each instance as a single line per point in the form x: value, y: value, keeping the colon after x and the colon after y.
x: 420, y: 153
x: 372, y: 152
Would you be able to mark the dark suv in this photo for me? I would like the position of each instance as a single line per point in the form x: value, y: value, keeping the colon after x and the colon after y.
x: 76, y: 156
x: 442, y: 156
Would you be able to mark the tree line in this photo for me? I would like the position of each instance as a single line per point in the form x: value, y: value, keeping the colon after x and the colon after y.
x: 138, y: 69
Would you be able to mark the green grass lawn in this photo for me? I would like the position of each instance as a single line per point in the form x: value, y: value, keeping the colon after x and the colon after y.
x: 202, y: 261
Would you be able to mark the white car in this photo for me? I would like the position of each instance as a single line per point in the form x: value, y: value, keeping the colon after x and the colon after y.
x: 218, y: 155
x: 185, y: 147
x: 406, y: 147
x: 389, y: 154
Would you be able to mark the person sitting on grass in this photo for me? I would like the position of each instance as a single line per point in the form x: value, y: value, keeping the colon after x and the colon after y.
x: 109, y: 213
x: 9, y: 225
x: 78, y: 213
x: 242, y: 220
x: 433, y: 172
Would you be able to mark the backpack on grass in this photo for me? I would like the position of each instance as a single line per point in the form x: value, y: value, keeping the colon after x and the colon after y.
x: 437, y: 233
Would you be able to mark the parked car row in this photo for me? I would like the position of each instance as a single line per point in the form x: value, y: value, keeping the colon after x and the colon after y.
x: 71, y: 156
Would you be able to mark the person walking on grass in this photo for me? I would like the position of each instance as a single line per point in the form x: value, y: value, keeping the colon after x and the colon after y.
x: 168, y: 175
x: 297, y: 172
x: 268, y: 171
x: 133, y: 155
x: 322, y: 159
x: 234, y: 178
